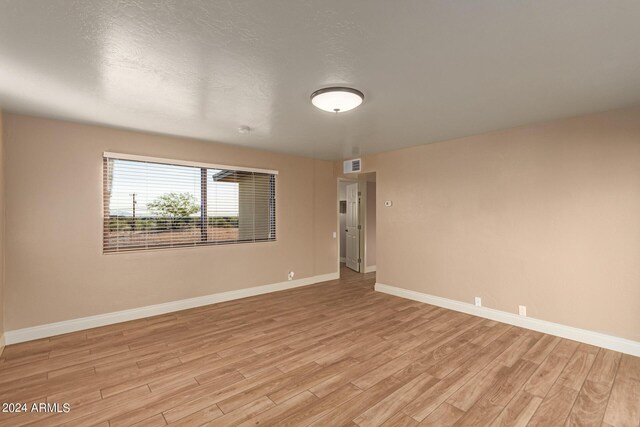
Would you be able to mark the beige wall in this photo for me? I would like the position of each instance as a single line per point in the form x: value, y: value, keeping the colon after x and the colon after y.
x: 546, y: 216
x: 371, y: 224
x: 55, y: 269
x: 1, y: 234
x: 324, y: 217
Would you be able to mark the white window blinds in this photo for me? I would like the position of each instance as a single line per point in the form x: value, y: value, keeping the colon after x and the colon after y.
x: 154, y: 203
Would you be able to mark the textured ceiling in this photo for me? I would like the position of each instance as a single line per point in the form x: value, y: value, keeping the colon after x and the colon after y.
x: 430, y: 70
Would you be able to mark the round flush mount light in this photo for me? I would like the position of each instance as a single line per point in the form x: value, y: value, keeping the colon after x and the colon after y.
x: 337, y: 99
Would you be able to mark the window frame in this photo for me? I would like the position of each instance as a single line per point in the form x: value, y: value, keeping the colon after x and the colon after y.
x: 204, y: 168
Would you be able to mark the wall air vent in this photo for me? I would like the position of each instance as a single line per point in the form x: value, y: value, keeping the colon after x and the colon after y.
x: 352, y: 166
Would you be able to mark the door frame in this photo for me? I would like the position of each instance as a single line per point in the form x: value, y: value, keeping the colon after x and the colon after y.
x: 363, y: 188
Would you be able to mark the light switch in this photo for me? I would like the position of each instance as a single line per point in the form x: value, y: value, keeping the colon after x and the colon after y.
x: 334, y: 235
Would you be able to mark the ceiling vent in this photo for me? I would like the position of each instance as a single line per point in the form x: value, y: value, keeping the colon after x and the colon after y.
x: 352, y: 166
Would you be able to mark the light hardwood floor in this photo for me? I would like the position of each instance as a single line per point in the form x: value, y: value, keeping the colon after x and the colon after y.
x: 331, y: 354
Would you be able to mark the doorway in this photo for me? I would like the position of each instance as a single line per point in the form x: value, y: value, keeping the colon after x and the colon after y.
x: 352, y: 227
x: 348, y: 225
x: 357, y: 223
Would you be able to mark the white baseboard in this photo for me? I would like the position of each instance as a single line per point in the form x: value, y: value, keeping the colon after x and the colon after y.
x: 576, y: 334
x: 73, y: 325
x: 343, y: 259
x: 369, y: 268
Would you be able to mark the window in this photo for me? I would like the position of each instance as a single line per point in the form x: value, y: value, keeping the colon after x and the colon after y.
x: 155, y: 203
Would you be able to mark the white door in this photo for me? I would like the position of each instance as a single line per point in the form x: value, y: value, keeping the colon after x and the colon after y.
x: 352, y: 229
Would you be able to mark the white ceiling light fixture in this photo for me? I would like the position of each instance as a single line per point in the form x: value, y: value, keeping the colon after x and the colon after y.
x: 337, y: 99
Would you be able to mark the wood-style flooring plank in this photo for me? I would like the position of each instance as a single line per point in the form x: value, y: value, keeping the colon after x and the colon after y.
x: 445, y: 415
x: 518, y: 411
x: 623, y: 407
x: 559, y: 401
x: 397, y: 400
x: 312, y: 412
x: 400, y: 420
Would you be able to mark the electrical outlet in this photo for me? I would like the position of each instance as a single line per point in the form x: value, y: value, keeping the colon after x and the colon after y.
x: 478, y: 302
x: 290, y: 276
x: 522, y: 310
